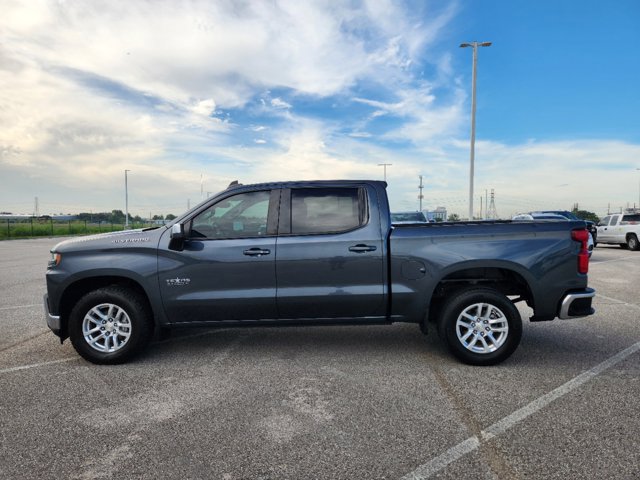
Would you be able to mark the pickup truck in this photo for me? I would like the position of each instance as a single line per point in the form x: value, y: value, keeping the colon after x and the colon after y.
x: 620, y: 229
x: 315, y: 253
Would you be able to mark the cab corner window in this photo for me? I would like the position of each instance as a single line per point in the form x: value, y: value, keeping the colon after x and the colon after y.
x: 239, y: 216
x: 327, y: 210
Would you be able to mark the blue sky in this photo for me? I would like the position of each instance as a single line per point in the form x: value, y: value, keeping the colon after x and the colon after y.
x: 192, y: 95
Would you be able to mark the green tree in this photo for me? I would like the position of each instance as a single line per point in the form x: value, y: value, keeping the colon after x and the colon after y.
x: 586, y: 215
x: 117, y: 216
x: 170, y: 216
x: 453, y: 217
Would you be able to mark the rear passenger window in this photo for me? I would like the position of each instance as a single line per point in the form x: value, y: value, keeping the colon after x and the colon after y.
x: 327, y: 210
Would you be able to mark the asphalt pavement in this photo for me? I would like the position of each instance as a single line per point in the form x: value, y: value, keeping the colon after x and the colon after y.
x: 368, y: 402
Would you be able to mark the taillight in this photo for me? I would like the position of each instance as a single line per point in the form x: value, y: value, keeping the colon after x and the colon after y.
x: 582, y: 236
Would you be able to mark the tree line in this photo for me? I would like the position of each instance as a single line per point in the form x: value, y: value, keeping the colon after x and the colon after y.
x: 118, y: 216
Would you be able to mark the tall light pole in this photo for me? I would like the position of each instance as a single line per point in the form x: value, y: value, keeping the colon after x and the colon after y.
x: 385, y: 165
x: 638, y: 170
x: 475, y: 46
x: 126, y: 199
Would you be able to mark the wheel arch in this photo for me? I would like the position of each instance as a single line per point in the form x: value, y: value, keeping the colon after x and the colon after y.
x: 506, y: 279
x: 79, y: 288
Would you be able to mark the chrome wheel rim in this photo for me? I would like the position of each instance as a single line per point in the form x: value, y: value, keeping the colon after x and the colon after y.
x: 106, y: 328
x: 482, y: 328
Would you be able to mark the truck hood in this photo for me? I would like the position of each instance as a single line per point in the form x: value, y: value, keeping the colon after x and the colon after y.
x: 128, y: 238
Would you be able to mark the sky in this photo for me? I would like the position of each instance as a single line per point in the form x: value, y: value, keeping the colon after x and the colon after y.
x: 189, y: 96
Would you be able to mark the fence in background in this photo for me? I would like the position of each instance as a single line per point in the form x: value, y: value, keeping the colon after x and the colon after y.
x: 39, y: 227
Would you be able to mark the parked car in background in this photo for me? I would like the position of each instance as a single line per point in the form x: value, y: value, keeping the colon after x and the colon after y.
x: 408, y: 217
x: 591, y: 226
x: 620, y: 229
x: 537, y: 216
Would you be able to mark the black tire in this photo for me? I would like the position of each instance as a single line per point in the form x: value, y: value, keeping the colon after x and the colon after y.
x: 623, y: 245
x: 110, y: 325
x: 491, y: 332
x: 632, y: 242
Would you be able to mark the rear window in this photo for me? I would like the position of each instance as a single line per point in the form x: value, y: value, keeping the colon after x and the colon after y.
x: 327, y: 210
x: 630, y: 219
x: 408, y: 217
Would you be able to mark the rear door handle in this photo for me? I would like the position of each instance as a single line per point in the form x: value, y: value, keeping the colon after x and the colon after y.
x: 257, y: 252
x: 362, y: 248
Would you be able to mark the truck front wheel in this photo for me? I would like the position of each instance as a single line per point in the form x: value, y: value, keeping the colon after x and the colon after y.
x: 480, y: 326
x: 110, y: 325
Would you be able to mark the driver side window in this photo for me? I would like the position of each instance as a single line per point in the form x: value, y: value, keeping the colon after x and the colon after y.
x: 240, y: 216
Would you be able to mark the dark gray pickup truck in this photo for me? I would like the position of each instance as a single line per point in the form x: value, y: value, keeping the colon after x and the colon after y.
x: 309, y: 253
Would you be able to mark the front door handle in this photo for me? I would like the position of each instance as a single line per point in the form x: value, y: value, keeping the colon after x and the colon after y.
x: 362, y: 248
x: 257, y: 252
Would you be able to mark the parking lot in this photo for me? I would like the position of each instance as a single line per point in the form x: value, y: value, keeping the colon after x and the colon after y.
x: 322, y: 402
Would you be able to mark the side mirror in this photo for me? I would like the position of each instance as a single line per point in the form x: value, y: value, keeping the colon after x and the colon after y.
x: 177, y: 231
x: 177, y: 237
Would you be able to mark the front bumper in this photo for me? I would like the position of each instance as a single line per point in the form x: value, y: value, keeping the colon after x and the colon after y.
x: 53, y: 321
x: 577, y: 304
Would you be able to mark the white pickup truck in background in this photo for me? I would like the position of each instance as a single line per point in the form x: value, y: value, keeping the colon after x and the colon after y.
x: 620, y: 229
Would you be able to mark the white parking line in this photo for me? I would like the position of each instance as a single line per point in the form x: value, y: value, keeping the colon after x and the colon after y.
x: 473, y: 443
x: 36, y: 365
x: 21, y: 306
x: 624, y: 259
x: 621, y: 302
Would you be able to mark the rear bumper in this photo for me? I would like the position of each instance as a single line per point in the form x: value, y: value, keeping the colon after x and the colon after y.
x: 577, y: 304
x: 53, y: 321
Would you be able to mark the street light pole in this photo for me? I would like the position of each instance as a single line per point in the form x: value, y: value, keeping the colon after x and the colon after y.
x: 126, y: 199
x: 475, y: 46
x: 385, y: 165
x: 638, y: 170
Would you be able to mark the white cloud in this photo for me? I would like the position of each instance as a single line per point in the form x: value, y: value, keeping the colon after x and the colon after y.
x: 205, y: 107
x: 279, y: 103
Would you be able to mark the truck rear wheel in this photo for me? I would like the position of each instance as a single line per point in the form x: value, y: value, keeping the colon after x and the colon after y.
x: 110, y: 325
x: 632, y: 242
x: 480, y: 326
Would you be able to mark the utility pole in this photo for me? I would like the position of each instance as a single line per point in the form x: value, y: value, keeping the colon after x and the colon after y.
x: 126, y: 199
x: 420, y: 196
x: 638, y: 170
x: 385, y: 165
x: 475, y: 46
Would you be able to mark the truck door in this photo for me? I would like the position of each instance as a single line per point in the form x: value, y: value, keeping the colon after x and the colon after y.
x: 605, y: 229
x: 226, y: 269
x: 329, y: 254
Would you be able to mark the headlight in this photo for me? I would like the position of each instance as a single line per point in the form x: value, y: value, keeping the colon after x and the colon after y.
x: 55, y: 259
